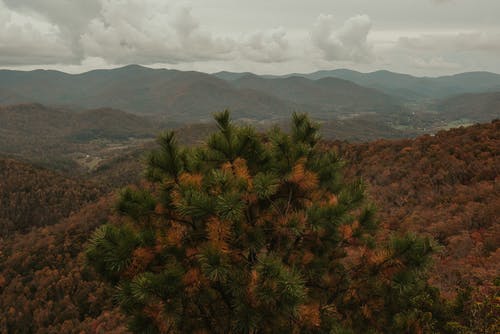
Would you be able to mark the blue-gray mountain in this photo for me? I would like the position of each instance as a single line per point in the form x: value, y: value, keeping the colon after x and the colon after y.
x: 408, y: 87
x: 187, y: 96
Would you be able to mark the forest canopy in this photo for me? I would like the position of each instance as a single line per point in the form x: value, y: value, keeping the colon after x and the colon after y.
x: 260, y: 233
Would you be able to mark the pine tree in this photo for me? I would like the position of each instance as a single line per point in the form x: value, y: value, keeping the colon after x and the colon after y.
x: 259, y: 233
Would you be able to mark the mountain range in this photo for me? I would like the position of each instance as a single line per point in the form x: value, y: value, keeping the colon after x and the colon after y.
x: 183, y: 96
x: 80, y: 122
x: 411, y: 88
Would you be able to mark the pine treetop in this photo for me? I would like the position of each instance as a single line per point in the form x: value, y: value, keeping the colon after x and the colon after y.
x: 258, y: 233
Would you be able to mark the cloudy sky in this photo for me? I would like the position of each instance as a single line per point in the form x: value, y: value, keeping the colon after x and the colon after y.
x: 421, y: 37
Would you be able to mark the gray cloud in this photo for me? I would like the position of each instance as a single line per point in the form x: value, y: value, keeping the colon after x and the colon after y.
x: 71, y: 17
x: 457, y: 42
x: 348, y: 43
x: 266, y: 46
x: 151, y: 34
x: 30, y: 42
x: 422, y: 37
x: 134, y: 31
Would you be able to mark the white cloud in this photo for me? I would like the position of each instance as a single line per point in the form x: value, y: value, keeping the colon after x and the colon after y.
x: 138, y: 33
x: 27, y: 40
x: 266, y: 46
x: 348, y: 43
x: 70, y: 17
x: 135, y: 31
x: 238, y: 35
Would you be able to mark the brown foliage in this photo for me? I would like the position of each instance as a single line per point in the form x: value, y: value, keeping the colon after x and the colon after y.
x: 45, y: 286
x: 446, y: 186
x: 33, y: 197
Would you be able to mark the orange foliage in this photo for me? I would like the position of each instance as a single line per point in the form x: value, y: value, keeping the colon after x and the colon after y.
x: 141, y: 258
x: 218, y: 232
x: 193, y: 180
x: 310, y: 314
x: 32, y: 197
x: 46, y: 287
x: 175, y: 233
x: 445, y: 186
x: 305, y: 179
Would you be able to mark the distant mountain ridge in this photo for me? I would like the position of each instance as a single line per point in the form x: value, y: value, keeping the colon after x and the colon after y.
x: 186, y: 95
x: 323, y: 95
x: 414, y: 88
x: 176, y: 95
x: 177, y: 98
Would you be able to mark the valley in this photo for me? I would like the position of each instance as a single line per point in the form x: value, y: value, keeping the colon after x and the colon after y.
x: 57, y: 129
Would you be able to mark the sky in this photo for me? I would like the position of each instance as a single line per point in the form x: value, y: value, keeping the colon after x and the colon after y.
x: 419, y: 37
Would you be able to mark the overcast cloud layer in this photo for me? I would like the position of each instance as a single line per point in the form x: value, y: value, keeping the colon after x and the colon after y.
x: 424, y: 37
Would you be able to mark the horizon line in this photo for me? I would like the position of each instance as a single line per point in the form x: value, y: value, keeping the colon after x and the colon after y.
x: 244, y: 72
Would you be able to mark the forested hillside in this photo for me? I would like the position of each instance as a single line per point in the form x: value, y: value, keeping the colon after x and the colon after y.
x: 45, y: 286
x: 73, y: 141
x: 445, y: 186
x: 187, y: 95
x: 482, y: 107
x: 32, y: 197
x: 79, y: 142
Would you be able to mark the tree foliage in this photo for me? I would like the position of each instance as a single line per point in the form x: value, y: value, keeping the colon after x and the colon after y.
x: 44, y: 285
x: 32, y: 196
x: 254, y: 233
x: 446, y: 186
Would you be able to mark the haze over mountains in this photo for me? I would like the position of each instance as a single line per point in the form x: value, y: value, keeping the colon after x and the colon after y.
x: 185, y: 97
x: 413, y: 88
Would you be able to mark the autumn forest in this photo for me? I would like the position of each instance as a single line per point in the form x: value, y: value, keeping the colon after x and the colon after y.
x: 438, y: 195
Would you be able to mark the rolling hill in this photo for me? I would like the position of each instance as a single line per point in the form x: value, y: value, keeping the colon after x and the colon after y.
x: 180, y: 96
x: 480, y: 107
x: 82, y: 141
x: 32, y: 196
x: 66, y: 140
x: 41, y: 121
x: 416, y: 88
x: 173, y: 95
x: 445, y: 186
x: 324, y: 97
